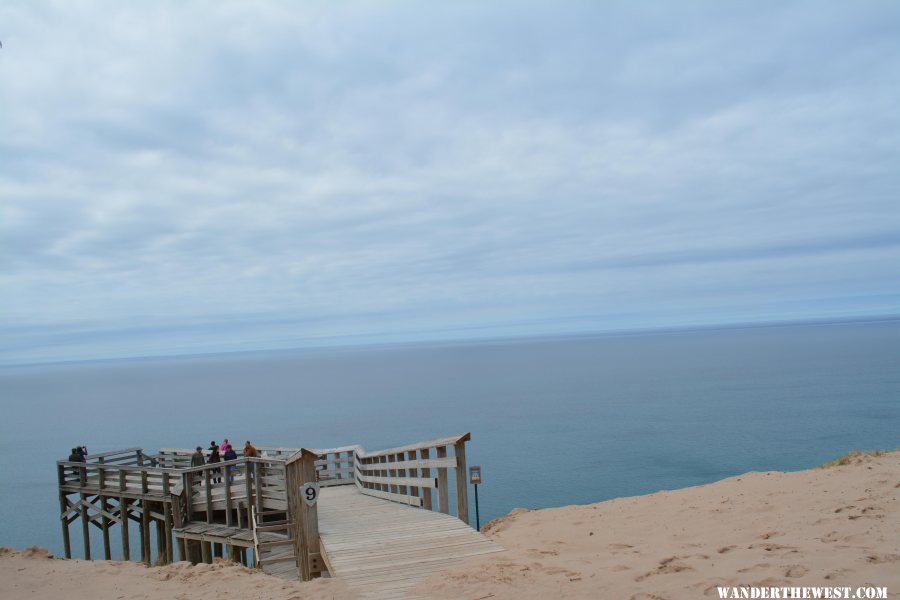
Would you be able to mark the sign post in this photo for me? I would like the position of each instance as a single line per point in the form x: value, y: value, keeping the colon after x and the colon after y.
x: 475, y: 479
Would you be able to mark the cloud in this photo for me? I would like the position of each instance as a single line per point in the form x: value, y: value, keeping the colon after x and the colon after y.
x: 392, y: 167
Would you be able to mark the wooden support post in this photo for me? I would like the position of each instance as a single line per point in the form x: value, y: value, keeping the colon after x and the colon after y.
x: 145, y: 531
x: 160, y: 542
x: 85, y: 526
x: 63, y: 507
x: 304, y: 519
x: 443, y: 496
x: 206, y: 552
x: 168, y: 501
x: 104, y: 506
x: 123, y: 518
x: 425, y: 454
x: 182, y: 549
x: 462, y: 484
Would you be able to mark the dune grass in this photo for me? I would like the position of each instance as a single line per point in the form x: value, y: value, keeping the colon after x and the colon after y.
x: 854, y: 456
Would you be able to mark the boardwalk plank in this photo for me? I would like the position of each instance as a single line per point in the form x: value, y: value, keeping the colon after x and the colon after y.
x: 382, y: 549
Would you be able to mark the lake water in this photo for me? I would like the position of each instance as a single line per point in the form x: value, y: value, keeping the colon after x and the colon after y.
x: 553, y: 421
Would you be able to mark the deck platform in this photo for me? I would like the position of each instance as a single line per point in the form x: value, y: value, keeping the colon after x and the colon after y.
x: 382, y: 521
x: 382, y: 549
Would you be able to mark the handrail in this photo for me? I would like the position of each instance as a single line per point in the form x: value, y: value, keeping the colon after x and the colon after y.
x: 114, y: 467
x: 404, y: 474
x: 352, y: 448
x: 112, y: 453
x: 445, y: 441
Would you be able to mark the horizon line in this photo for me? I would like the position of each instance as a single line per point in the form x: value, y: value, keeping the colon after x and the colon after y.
x: 674, y: 329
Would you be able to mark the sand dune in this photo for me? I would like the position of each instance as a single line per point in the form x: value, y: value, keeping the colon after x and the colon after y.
x: 838, y: 526
x: 34, y: 574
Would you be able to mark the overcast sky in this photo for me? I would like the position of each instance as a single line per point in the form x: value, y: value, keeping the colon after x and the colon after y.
x: 182, y: 177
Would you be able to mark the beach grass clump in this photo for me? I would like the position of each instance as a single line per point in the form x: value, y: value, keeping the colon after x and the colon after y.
x: 853, y: 457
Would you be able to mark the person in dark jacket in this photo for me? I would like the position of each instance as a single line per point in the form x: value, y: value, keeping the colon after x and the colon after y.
x: 215, y: 458
x: 230, y: 454
x: 76, y: 456
x: 197, y: 459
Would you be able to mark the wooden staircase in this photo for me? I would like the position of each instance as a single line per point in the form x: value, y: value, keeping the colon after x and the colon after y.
x: 273, y: 545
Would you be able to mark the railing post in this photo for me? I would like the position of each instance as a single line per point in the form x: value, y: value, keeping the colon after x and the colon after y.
x: 304, y: 518
x: 425, y: 454
x: 187, y: 488
x: 248, y: 486
x: 168, y: 501
x: 443, y: 495
x: 462, y: 487
x: 63, y: 507
x: 229, y: 517
x: 413, y: 490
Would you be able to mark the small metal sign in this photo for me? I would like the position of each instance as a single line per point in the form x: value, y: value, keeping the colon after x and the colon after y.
x: 310, y: 492
x: 475, y: 475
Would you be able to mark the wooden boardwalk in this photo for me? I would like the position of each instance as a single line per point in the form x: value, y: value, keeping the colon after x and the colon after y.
x: 382, y: 549
x: 382, y: 521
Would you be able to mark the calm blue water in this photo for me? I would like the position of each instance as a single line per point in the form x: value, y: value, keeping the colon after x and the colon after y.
x: 553, y: 422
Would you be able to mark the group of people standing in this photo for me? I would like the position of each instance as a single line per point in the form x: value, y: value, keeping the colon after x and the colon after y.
x: 219, y: 453
x: 79, y: 453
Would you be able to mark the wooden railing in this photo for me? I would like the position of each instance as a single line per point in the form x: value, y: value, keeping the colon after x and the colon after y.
x: 236, y: 487
x: 126, y: 457
x: 111, y: 478
x: 415, y: 473
x: 336, y: 466
x: 180, y: 458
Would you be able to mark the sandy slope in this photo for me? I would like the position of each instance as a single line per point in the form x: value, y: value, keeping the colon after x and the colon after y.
x: 33, y: 574
x: 825, y: 527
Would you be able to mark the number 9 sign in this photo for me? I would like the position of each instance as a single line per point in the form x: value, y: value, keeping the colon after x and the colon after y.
x: 310, y: 492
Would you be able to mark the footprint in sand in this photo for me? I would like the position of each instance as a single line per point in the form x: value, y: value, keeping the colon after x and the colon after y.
x: 768, y: 535
x: 796, y: 571
x: 830, y: 537
x: 725, y: 549
x: 619, y: 546
x: 536, y: 553
x: 666, y: 566
x: 882, y: 558
x: 771, y: 547
x: 838, y: 575
x: 756, y: 567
